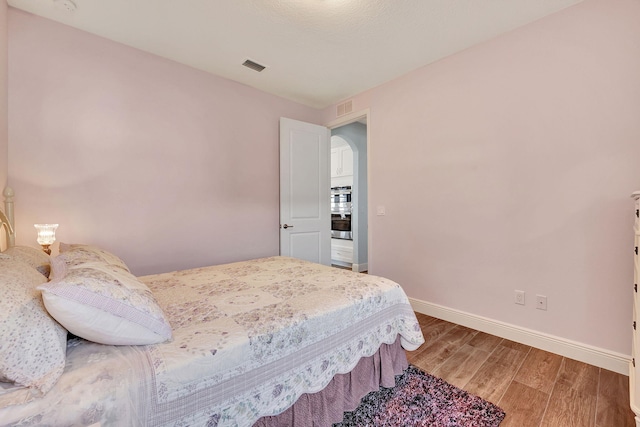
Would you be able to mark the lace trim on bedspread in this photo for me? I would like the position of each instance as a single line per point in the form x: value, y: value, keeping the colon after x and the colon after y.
x: 269, y: 391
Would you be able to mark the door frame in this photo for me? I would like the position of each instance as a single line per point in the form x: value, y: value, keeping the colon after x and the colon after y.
x: 345, y: 120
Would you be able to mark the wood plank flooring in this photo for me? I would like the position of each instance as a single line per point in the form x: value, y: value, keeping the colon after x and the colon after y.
x: 534, y: 387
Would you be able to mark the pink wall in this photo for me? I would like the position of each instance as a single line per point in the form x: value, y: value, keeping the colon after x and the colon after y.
x: 509, y: 166
x: 167, y: 166
x: 4, y: 141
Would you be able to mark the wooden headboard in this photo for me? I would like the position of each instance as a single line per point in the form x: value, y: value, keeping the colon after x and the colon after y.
x: 6, y: 218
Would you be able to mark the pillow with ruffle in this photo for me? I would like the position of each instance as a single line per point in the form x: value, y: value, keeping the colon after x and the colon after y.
x: 33, y: 346
x: 103, y: 303
x: 32, y: 256
x: 78, y: 254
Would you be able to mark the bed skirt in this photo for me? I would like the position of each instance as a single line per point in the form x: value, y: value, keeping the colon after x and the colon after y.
x: 344, y: 392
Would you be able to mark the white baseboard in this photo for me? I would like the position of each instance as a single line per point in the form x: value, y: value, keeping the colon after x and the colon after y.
x: 606, y: 359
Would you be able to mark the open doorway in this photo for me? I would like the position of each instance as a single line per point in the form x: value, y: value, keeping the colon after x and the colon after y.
x: 349, y: 195
x: 305, y: 220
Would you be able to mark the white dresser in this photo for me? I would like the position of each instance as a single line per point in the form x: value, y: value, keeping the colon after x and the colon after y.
x: 634, y: 366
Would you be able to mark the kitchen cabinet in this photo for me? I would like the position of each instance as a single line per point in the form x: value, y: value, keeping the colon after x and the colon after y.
x: 341, y: 161
x: 342, y: 252
x: 341, y: 166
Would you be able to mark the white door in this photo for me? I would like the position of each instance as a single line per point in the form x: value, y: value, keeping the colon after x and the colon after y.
x: 305, y: 217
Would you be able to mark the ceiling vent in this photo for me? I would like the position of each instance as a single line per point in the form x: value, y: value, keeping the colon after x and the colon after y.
x: 345, y: 108
x: 253, y: 65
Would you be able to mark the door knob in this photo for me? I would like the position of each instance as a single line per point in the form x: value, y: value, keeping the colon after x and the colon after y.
x: 287, y: 226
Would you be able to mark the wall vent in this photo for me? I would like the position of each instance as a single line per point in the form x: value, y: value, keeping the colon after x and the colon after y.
x: 345, y: 108
x: 253, y: 65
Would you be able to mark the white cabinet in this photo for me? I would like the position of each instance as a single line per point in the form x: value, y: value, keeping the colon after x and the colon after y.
x: 342, y: 252
x: 341, y: 162
x: 634, y: 367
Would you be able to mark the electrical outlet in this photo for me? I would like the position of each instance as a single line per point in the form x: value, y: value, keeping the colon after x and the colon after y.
x: 541, y: 302
x: 519, y: 297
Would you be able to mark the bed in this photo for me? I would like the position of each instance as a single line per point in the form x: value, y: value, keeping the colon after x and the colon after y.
x: 264, y: 342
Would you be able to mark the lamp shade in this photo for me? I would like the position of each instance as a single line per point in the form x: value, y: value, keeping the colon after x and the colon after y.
x: 46, y: 233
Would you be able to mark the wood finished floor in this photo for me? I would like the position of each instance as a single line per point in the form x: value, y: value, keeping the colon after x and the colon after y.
x: 534, y: 387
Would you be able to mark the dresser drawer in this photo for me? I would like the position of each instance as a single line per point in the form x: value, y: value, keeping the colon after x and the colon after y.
x: 634, y: 366
x: 636, y: 213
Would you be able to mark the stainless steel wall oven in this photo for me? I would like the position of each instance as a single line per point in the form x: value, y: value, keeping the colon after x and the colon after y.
x: 341, y: 213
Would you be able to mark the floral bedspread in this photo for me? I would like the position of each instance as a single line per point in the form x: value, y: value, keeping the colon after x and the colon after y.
x: 249, y: 339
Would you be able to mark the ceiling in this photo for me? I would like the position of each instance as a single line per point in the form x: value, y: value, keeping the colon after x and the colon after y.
x: 317, y: 52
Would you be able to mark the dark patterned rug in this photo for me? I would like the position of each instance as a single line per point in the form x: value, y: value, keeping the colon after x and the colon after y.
x: 420, y: 399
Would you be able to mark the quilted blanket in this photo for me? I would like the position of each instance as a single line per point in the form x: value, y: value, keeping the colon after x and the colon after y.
x: 249, y: 339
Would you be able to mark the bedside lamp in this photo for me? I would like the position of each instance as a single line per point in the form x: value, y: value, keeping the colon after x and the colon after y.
x: 46, y: 235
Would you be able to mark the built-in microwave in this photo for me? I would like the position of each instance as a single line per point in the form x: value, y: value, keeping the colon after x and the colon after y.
x: 341, y: 213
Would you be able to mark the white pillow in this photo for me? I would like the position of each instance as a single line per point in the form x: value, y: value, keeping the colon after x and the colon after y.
x: 79, y: 254
x: 32, y: 256
x: 104, y: 303
x: 33, y: 346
